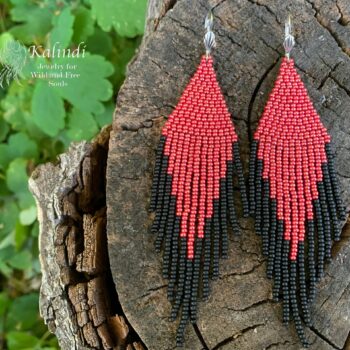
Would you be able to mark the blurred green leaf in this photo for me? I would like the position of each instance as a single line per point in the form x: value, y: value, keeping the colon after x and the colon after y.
x: 46, y: 102
x: 25, y: 199
x: 21, y: 341
x: 35, y: 20
x: 4, y: 191
x: 20, y: 145
x: 4, y: 129
x: 5, y: 302
x: 17, y: 109
x: 62, y: 29
x: 92, y: 87
x: 21, y: 260
x: 28, y: 216
x: 24, y: 312
x: 83, y: 25
x: 5, y: 157
x: 6, y: 252
x: 16, y: 176
x: 4, y: 39
x: 17, y: 182
x: 8, y: 217
x: 5, y: 269
x: 7, y: 242
x: 100, y: 43
x: 14, y: 106
x: 106, y: 117
x: 126, y: 16
x: 81, y: 125
x: 21, y: 235
x: 35, y: 229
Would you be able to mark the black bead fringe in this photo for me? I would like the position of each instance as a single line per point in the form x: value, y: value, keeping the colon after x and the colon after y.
x: 295, y: 281
x: 189, y: 278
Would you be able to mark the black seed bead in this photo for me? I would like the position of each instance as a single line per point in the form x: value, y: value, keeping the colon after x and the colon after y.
x: 175, y: 258
x: 161, y: 194
x: 258, y: 196
x: 169, y: 232
x: 278, y: 261
x: 216, y: 240
x: 180, y: 335
x: 156, y: 221
x: 181, y: 279
x: 185, y: 314
x: 294, y: 303
x: 335, y: 183
x: 241, y: 182
x: 156, y: 173
x: 331, y: 203
x: 188, y: 288
x: 159, y: 240
x: 165, y: 210
x: 311, y: 259
x: 285, y: 281
x: 230, y: 199
x: 273, y: 234
x: 320, y: 239
x: 252, y: 166
x: 207, y: 258
x: 223, y: 219
x: 302, y: 284
x: 326, y: 221
x: 195, y: 279
x: 265, y: 217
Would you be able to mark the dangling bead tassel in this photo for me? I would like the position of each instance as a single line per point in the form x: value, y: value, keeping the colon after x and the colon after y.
x: 294, y: 193
x: 192, y: 192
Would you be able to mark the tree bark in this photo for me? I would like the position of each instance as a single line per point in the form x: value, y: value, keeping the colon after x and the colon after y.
x: 79, y: 300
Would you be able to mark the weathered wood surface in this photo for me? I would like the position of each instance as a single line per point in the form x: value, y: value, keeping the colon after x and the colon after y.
x: 77, y: 297
x: 240, y: 313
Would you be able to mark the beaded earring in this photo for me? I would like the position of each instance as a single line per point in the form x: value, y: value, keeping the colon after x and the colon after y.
x: 294, y: 192
x: 192, y: 192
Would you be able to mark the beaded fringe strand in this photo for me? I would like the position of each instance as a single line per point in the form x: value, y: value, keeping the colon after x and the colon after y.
x: 294, y: 195
x: 192, y: 193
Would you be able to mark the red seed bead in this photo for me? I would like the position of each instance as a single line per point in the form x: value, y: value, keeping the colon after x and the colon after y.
x: 293, y: 165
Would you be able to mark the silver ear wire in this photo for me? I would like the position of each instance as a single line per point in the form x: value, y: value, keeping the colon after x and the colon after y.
x: 209, y: 37
x: 289, y: 40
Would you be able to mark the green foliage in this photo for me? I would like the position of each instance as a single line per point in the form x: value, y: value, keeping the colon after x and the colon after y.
x: 46, y: 102
x: 40, y: 117
x: 34, y: 20
x: 126, y: 16
x: 92, y: 87
x: 62, y: 28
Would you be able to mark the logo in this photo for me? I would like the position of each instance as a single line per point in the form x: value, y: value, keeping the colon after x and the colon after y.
x: 13, y: 57
x: 56, y: 51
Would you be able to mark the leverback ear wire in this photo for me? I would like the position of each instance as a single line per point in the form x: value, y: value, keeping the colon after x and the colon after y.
x: 209, y: 38
x: 289, y: 40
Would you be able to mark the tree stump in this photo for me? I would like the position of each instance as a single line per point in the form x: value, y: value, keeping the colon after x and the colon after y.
x: 102, y: 285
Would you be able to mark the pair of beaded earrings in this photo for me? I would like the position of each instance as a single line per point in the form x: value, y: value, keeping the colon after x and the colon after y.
x: 293, y: 191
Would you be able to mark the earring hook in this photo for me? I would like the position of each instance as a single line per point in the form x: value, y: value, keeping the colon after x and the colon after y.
x: 209, y: 37
x: 289, y: 40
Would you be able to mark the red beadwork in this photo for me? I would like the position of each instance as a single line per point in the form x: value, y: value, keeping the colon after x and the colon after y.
x: 199, y: 137
x: 292, y: 146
